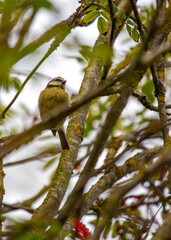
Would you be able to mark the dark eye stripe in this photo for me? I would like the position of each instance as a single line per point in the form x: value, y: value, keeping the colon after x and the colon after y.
x: 60, y: 79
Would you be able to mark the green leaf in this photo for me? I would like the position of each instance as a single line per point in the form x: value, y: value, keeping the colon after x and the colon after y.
x: 104, y: 5
x: 46, y: 137
x: 93, y: 222
x: 118, y: 23
x: 130, y: 22
x: 42, y: 4
x: 114, y: 229
x: 115, y: 9
x: 129, y: 29
x: 148, y: 89
x: 135, y: 35
x: 16, y: 83
x: 136, y: 212
x: 49, y: 163
x: 86, y: 51
x: 79, y: 59
x: 122, y: 15
x: 88, y: 128
x: 90, y: 16
x: 106, y: 15
x: 107, y: 229
x: 102, y: 25
x: 91, y: 8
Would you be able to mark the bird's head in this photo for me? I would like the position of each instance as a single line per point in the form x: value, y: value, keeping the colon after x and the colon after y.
x: 57, y: 82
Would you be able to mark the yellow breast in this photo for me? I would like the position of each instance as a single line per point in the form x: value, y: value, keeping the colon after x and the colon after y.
x: 51, y: 100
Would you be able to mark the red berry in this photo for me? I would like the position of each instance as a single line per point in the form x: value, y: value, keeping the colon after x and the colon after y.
x: 81, y: 230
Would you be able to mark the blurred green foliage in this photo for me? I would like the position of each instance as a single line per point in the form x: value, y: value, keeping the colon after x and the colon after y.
x: 17, y: 18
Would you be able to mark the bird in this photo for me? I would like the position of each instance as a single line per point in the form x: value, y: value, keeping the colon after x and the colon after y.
x: 51, y: 100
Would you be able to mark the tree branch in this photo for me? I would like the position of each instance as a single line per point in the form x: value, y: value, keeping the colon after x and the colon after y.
x: 164, y: 232
x: 75, y: 130
x: 118, y: 193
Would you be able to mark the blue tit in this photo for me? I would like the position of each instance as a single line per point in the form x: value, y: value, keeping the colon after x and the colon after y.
x: 51, y: 99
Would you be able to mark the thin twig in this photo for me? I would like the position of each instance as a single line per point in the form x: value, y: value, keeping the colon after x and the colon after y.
x: 139, y: 23
x: 144, y: 100
x: 26, y: 204
x: 12, y: 207
x: 2, y: 115
x: 113, y: 20
x: 2, y: 192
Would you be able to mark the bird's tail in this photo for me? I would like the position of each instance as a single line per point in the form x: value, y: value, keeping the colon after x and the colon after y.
x: 63, y: 139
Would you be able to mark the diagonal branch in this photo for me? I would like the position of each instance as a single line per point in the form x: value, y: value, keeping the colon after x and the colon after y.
x: 130, y: 80
x: 57, y: 30
x: 100, y: 143
x: 164, y: 232
x: 75, y: 131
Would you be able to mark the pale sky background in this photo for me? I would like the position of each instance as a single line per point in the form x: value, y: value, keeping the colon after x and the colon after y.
x: 24, y: 181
